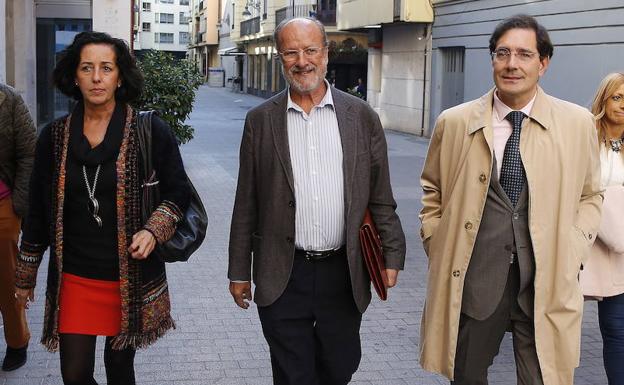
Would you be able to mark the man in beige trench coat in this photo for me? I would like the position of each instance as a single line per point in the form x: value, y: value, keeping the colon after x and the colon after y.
x: 511, y: 206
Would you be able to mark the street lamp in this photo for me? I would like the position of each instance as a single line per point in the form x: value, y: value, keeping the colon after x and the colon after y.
x: 253, y: 4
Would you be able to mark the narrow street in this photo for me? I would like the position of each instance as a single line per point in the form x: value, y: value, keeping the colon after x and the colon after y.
x: 218, y: 343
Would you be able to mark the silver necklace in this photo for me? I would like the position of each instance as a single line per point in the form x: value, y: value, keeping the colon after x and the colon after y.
x: 94, y: 205
x: 616, y: 144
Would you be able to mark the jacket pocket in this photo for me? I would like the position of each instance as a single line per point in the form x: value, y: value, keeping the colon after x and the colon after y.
x: 578, y: 247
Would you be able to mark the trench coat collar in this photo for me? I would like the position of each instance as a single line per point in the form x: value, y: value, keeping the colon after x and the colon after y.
x: 481, y: 116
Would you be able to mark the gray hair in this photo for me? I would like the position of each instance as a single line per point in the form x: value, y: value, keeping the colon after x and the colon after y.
x: 285, y: 22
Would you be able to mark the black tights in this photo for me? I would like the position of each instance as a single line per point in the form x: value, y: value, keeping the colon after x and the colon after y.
x: 78, y: 360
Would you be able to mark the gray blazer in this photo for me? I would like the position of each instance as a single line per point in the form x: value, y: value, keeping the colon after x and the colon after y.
x: 262, y: 235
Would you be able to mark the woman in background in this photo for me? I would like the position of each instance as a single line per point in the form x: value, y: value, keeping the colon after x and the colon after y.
x: 85, y: 205
x: 603, y: 275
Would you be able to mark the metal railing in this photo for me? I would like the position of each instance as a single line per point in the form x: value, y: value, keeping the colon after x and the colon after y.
x: 326, y: 16
x: 251, y: 26
x: 302, y: 10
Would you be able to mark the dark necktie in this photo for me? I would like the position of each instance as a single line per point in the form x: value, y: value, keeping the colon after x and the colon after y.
x: 512, y: 171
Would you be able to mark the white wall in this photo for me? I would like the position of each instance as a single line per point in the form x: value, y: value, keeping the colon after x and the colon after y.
x: 400, y: 98
x: 113, y: 17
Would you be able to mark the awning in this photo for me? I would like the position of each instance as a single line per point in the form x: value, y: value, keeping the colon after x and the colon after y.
x: 232, y: 51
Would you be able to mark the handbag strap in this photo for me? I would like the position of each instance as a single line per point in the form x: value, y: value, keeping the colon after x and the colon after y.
x: 144, y: 133
x: 149, y: 184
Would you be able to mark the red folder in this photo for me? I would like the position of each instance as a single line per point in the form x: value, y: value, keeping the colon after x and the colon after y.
x: 372, y: 252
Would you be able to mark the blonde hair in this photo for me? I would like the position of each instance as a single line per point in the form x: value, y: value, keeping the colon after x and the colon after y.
x: 606, y: 89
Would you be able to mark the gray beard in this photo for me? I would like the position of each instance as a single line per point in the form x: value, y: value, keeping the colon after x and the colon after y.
x: 298, y: 87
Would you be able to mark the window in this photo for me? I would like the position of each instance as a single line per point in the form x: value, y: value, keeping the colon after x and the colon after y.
x: 147, y: 7
x: 184, y: 19
x: 233, y: 13
x: 165, y: 1
x: 164, y: 18
x: 166, y: 38
x: 184, y: 2
x: 147, y: 27
x: 184, y: 37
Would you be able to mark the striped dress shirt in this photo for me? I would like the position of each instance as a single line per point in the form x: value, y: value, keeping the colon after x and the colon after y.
x: 316, y: 157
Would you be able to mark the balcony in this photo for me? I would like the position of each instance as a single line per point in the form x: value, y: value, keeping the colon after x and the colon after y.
x: 325, y: 16
x: 251, y: 26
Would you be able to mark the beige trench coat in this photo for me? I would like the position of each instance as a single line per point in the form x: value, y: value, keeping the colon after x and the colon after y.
x: 559, y: 149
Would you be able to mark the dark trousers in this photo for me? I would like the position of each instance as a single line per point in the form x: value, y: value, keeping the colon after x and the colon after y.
x: 16, y: 331
x: 313, y: 329
x: 479, y: 341
x: 611, y: 319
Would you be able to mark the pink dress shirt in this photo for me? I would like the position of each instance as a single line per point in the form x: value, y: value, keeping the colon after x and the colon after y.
x: 502, y: 129
x: 5, y: 191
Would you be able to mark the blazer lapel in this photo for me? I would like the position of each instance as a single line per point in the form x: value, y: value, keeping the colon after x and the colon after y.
x: 279, y: 127
x: 347, y: 125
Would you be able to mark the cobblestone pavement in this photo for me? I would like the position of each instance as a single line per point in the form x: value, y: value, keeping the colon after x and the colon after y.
x: 217, y: 343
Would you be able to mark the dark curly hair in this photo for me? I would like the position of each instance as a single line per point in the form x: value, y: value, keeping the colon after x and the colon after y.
x: 64, y: 75
x: 544, y: 45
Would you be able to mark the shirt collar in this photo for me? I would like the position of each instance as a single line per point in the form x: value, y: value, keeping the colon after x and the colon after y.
x: 502, y: 110
x: 327, y: 100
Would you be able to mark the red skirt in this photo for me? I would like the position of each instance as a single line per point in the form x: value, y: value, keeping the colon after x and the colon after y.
x: 89, y: 306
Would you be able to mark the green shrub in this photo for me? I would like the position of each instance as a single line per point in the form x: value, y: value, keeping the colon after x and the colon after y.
x: 170, y: 87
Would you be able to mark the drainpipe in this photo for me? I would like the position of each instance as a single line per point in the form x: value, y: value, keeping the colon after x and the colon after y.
x: 422, y: 123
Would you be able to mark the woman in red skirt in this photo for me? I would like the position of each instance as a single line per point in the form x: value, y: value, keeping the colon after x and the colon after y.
x: 85, y: 206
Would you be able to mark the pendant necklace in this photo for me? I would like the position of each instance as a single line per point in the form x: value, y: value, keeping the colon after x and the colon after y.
x: 616, y: 144
x: 94, y: 205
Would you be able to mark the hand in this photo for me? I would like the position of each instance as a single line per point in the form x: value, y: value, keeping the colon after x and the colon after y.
x: 24, y: 296
x: 241, y: 292
x: 392, y: 275
x: 142, y: 245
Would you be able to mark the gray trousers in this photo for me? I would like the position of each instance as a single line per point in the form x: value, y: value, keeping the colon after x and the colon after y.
x: 479, y: 341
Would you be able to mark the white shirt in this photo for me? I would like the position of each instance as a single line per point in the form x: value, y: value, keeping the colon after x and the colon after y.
x: 611, y: 167
x: 316, y: 157
x: 502, y: 129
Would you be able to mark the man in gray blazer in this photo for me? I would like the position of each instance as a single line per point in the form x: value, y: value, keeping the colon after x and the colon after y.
x: 312, y: 159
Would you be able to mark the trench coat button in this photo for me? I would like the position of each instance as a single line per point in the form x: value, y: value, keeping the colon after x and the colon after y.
x: 455, y: 273
x: 289, y: 239
x: 516, y: 216
x: 291, y: 204
x: 422, y: 233
x: 590, y: 236
x: 482, y: 178
x: 468, y: 225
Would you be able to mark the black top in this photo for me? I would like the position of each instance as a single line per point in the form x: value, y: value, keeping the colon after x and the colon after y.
x: 91, y: 251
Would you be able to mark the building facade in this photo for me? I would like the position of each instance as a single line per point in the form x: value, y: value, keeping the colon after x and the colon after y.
x: 228, y: 51
x: 588, y: 39
x: 398, y: 66
x: 163, y: 25
x: 204, y: 29
x: 18, y: 66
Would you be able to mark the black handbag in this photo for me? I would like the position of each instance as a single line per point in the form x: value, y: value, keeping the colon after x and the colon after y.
x: 191, y: 229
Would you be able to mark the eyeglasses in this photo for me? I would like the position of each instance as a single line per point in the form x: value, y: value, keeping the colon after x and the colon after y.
x: 503, y: 54
x: 293, y: 54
